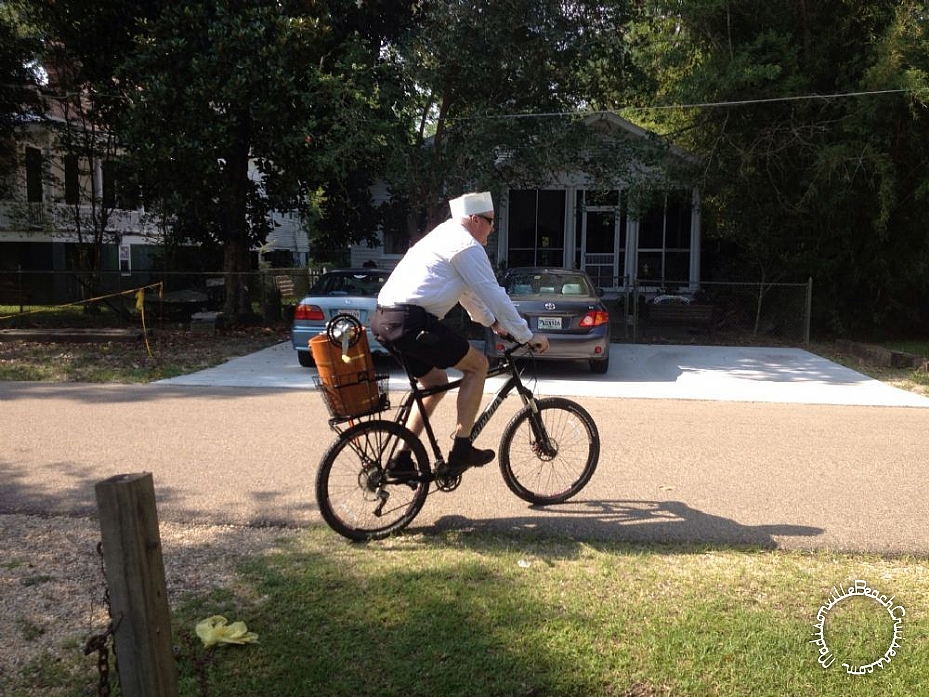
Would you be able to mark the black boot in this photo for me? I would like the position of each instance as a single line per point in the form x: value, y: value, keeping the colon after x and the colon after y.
x: 401, y: 467
x: 465, y: 455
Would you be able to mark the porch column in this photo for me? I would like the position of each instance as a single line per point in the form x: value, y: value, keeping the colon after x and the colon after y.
x: 695, y: 239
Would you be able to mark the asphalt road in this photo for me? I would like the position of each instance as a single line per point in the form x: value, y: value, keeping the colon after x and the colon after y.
x: 777, y: 448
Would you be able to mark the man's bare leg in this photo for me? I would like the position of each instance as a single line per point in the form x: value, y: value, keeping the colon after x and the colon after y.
x: 474, y: 368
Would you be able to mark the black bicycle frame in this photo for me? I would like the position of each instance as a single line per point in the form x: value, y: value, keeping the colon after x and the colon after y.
x: 418, y: 394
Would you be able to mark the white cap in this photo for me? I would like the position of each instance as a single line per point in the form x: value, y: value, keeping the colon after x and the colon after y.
x: 471, y: 204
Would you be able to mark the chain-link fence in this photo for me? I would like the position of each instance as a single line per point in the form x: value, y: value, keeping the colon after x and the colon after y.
x: 718, y: 313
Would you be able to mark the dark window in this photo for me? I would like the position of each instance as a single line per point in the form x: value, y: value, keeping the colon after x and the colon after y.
x: 119, y: 188
x: 109, y: 185
x: 664, y: 240
x: 677, y: 234
x: 396, y: 241
x: 72, y: 178
x: 33, y: 175
x: 536, y: 227
x: 651, y: 228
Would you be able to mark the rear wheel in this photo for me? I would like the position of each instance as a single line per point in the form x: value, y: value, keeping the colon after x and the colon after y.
x: 550, y: 456
x: 356, y: 496
x: 305, y: 358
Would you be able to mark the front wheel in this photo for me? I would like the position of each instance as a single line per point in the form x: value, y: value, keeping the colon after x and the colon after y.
x: 355, y: 493
x: 550, y: 456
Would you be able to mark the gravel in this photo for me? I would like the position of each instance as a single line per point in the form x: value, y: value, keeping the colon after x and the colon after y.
x: 52, y: 586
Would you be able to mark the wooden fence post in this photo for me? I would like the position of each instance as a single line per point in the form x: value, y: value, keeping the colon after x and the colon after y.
x: 136, y: 580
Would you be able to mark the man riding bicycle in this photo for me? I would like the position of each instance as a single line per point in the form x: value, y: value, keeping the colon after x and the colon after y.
x: 448, y: 266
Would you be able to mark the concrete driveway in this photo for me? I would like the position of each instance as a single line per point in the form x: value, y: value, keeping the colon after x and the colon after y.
x: 715, y: 373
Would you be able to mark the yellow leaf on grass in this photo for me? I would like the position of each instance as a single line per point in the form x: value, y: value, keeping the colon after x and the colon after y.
x: 216, y: 630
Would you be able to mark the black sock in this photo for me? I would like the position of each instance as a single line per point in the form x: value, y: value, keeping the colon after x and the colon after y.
x: 462, y: 445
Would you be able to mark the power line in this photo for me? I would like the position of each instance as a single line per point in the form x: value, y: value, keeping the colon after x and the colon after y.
x: 698, y: 105
x: 743, y: 102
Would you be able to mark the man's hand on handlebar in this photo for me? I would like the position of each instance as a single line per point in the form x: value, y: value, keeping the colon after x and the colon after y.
x: 539, y: 343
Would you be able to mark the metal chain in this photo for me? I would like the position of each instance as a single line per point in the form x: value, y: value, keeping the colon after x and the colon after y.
x: 101, y: 642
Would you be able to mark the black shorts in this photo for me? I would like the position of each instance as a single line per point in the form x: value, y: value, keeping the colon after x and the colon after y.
x: 419, y: 337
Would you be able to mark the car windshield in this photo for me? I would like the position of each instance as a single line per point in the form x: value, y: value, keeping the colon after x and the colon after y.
x: 542, y: 283
x: 362, y: 283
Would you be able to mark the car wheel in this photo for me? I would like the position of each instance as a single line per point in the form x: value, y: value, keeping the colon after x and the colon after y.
x: 305, y: 358
x: 600, y: 366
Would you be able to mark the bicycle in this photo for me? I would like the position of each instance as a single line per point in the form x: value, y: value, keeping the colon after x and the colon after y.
x: 548, y: 452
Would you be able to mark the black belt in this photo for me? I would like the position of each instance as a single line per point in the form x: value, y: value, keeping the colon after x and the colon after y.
x: 401, y: 306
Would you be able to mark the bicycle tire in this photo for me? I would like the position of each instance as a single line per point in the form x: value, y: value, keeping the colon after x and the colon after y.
x: 354, y: 495
x: 545, y: 478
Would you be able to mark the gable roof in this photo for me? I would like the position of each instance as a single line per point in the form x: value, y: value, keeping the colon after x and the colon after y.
x: 610, y: 122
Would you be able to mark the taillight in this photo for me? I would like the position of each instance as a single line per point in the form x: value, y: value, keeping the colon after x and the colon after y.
x: 595, y: 318
x: 309, y: 312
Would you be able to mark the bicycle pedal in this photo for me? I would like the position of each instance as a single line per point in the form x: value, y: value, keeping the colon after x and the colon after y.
x: 447, y: 483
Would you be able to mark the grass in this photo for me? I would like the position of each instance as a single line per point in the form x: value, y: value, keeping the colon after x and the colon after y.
x: 472, y: 613
x: 909, y: 379
x: 170, y: 351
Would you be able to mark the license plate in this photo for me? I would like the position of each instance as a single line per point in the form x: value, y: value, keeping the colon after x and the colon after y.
x: 549, y: 323
x: 354, y: 313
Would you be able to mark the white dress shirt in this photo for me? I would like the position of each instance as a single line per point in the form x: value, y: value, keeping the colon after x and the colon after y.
x: 449, y: 266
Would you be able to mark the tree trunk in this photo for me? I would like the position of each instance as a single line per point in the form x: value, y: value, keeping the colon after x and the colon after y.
x: 235, y: 226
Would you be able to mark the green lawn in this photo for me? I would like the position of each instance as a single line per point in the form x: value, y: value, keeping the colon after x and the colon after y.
x: 469, y: 613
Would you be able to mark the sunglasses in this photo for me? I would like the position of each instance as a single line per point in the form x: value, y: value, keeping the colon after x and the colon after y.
x: 489, y: 220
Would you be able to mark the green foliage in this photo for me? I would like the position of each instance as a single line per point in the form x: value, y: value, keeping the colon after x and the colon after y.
x: 19, y: 46
x: 831, y: 188
x: 216, y: 86
x: 488, y: 84
x: 327, y: 97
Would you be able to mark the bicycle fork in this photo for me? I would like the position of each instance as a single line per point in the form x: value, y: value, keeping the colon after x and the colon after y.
x: 543, y: 446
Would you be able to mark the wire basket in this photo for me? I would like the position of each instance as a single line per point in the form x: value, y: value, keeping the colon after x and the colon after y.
x: 351, y: 396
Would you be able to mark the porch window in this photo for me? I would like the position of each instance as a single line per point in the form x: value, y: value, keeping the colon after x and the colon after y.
x: 664, y: 241
x: 535, y: 224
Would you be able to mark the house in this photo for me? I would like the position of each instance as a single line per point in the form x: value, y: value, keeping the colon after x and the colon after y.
x: 615, y: 233
x: 53, y: 204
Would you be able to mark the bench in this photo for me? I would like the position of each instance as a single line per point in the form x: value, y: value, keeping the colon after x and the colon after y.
x: 691, y: 315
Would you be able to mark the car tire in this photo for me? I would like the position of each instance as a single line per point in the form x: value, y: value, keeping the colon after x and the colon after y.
x: 600, y: 366
x: 305, y: 358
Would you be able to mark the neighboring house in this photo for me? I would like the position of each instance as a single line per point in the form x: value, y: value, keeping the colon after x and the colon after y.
x: 45, y: 210
x: 574, y: 222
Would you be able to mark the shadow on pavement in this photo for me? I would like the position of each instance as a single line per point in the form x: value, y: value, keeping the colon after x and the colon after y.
x: 666, y: 522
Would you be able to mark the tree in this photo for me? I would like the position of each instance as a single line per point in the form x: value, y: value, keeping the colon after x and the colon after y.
x: 217, y: 86
x: 19, y: 76
x: 81, y: 45
x: 493, y: 94
x: 805, y: 183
